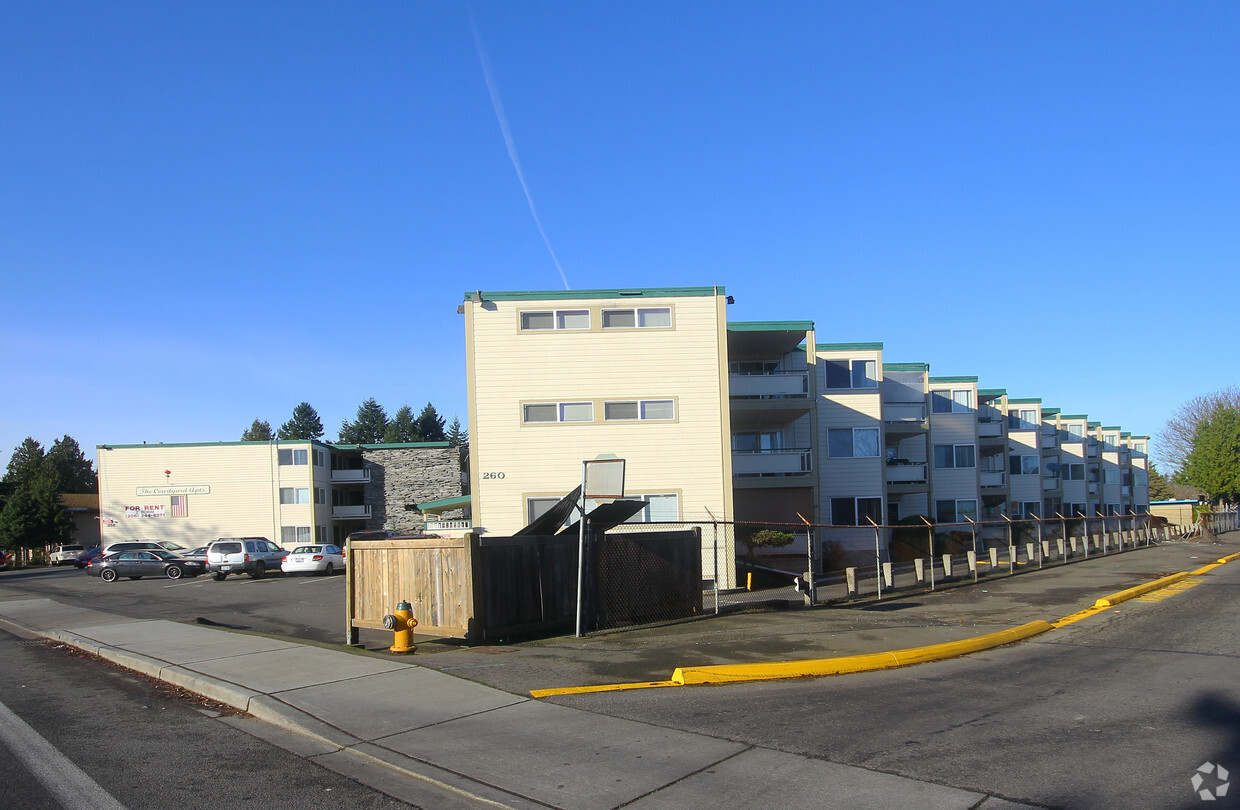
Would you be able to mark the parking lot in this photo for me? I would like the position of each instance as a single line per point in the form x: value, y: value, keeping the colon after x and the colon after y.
x: 308, y: 608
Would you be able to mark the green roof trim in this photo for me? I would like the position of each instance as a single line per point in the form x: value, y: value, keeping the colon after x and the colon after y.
x: 771, y: 326
x: 1074, y: 416
x: 1050, y: 411
x: 1025, y: 400
x: 560, y: 295
x: 992, y: 392
x: 1147, y: 438
x: 445, y: 503
x: 906, y: 366
x: 1094, y: 424
x: 953, y: 379
x: 848, y: 347
x: 393, y: 446
x: 1112, y: 427
x: 1125, y: 435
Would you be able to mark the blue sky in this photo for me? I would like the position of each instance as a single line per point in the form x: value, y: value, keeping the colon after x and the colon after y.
x: 212, y: 212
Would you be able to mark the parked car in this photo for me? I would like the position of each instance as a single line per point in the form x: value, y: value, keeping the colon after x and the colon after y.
x: 84, y: 559
x: 243, y: 555
x: 199, y: 554
x: 6, y: 558
x: 139, y: 564
x: 168, y: 545
x: 132, y: 545
x: 65, y: 555
x: 325, y: 559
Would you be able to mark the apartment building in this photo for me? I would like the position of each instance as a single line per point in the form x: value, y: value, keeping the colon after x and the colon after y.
x: 291, y: 492
x: 754, y: 421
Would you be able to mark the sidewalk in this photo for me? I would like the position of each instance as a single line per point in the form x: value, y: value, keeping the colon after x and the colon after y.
x: 415, y: 728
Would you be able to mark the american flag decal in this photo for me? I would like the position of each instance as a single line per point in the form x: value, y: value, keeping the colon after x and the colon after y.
x: 180, y: 506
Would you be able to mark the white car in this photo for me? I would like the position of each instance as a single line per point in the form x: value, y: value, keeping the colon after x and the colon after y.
x: 325, y: 559
x: 66, y: 555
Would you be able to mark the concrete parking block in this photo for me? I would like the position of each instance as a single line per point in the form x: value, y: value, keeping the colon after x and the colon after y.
x: 292, y: 668
x: 761, y: 777
x: 564, y: 757
x: 388, y: 703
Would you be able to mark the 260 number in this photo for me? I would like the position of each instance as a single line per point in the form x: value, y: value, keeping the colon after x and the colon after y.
x: 492, y: 475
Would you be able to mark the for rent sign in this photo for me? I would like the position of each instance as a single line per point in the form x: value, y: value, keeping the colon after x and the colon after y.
x: 156, y: 511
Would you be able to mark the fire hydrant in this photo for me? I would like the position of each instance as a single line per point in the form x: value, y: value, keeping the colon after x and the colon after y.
x: 402, y: 622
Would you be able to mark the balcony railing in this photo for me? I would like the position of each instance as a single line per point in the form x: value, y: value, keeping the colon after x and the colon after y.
x: 911, y: 473
x: 904, y: 411
x: 448, y: 525
x: 1050, y: 483
x: 351, y: 476
x: 771, y: 462
x: 1050, y: 440
x: 776, y: 385
x: 989, y: 430
x: 996, y: 478
x: 350, y: 512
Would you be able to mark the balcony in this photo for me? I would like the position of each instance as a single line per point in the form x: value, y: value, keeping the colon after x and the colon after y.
x: 351, y: 476
x: 1051, y: 483
x: 907, y: 473
x: 993, y: 479
x: 904, y: 412
x: 1050, y: 440
x: 990, y: 429
x: 774, y: 385
x: 351, y: 512
x: 449, y: 525
x: 758, y: 463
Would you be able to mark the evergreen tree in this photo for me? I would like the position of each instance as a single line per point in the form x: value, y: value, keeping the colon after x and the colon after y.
x: 456, y: 435
x: 402, y: 428
x: 33, y: 517
x: 430, y: 425
x: 260, y: 431
x: 69, y: 469
x: 25, y: 464
x: 1160, y: 487
x: 370, y: 426
x: 1213, y: 462
x: 305, y: 424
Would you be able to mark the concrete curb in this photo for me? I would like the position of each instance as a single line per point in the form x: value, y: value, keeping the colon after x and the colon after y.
x: 736, y: 673
x: 1140, y: 590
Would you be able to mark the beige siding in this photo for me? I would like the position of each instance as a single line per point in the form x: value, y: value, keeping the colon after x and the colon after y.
x: 512, y: 461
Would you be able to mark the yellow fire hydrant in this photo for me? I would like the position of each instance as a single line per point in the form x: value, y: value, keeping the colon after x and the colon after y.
x: 402, y: 622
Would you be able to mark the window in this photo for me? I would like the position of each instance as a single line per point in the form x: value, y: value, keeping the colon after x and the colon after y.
x: 293, y: 535
x: 757, y: 442
x: 320, y: 495
x: 660, y: 508
x: 558, y: 412
x: 294, y: 495
x: 1076, y: 432
x: 852, y: 443
x: 1023, y: 465
x: 1110, y: 476
x: 1111, y: 439
x: 1140, y: 479
x: 537, y: 507
x: 753, y: 367
x: 855, y: 511
x: 1074, y: 509
x: 1114, y: 510
x: 852, y: 374
x: 646, y: 409
x: 642, y: 318
x: 1033, y: 509
x: 318, y: 458
x: 955, y: 511
x: 558, y: 319
x: 294, y: 458
x: 1076, y: 472
x: 949, y: 456
x: 1138, y: 447
x: 957, y: 400
x: 320, y: 534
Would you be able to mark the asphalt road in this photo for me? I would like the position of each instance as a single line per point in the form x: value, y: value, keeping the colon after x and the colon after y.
x: 1116, y: 711
x: 143, y: 745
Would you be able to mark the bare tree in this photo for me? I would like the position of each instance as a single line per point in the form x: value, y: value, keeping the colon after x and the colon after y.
x: 1176, y: 440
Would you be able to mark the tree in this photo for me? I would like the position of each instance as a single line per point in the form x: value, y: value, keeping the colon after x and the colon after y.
x: 1160, y: 487
x: 305, y: 424
x: 1213, y: 461
x: 1177, y: 437
x: 25, y: 464
x: 33, y: 517
x: 260, y: 431
x: 430, y: 425
x: 456, y: 435
x: 403, y: 427
x: 369, y: 427
x: 68, y: 468
x: 763, y: 538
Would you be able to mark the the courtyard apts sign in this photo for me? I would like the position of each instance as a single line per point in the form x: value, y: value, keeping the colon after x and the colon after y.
x: 190, y: 489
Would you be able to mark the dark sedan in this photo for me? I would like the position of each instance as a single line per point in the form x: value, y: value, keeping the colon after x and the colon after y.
x: 83, y: 560
x: 139, y: 564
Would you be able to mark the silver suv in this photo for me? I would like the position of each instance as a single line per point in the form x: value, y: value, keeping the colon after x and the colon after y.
x: 243, y: 555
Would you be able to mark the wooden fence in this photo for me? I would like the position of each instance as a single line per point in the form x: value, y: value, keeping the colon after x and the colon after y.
x: 488, y: 588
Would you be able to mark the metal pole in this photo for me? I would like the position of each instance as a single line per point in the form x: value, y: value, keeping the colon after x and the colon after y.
x: 1041, y: 556
x: 973, y: 528
x: 930, y: 535
x: 809, y: 553
x: 1011, y: 548
x: 581, y: 549
x: 878, y: 558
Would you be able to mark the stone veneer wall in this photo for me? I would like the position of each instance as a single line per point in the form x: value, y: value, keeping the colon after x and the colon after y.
x: 409, y: 475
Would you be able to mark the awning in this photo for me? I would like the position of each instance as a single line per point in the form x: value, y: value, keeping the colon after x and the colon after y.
x: 444, y: 504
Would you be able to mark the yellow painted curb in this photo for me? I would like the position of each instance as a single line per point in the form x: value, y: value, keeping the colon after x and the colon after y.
x: 607, y: 687
x: 1131, y: 593
x: 1229, y: 558
x: 736, y: 673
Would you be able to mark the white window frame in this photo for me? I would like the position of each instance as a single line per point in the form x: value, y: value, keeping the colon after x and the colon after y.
x: 955, y: 459
x: 559, y: 413
x: 1024, y: 465
x: 644, y: 516
x: 557, y: 320
x: 853, y: 368
x: 294, y: 496
x: 854, y: 444
x: 295, y: 535
x: 958, y: 513
x: 642, y: 406
x: 856, y: 508
x: 640, y: 317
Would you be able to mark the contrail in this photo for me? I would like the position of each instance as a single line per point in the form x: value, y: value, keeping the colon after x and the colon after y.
x: 512, y: 148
